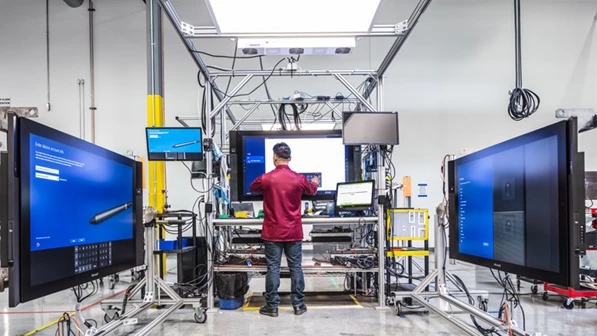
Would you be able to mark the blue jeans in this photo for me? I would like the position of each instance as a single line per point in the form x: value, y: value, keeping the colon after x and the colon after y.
x: 294, y: 256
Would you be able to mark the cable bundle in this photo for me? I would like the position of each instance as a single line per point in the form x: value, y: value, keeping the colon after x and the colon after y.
x: 64, y: 326
x: 523, y: 103
x: 284, y: 118
x: 510, y: 297
x: 80, y: 293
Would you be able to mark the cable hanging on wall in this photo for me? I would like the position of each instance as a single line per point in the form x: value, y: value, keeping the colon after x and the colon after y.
x: 523, y: 102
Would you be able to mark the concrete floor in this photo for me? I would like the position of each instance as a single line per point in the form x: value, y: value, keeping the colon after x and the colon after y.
x: 549, y: 317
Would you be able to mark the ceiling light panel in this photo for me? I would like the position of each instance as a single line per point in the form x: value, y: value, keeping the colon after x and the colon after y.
x: 285, y: 16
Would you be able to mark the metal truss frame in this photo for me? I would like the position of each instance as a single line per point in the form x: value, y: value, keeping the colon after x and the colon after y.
x: 188, y: 33
x: 447, y: 300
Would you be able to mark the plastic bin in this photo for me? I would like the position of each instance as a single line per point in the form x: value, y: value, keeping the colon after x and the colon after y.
x: 232, y: 304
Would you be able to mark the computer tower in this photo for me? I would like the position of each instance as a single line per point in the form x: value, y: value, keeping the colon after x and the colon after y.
x: 194, y: 264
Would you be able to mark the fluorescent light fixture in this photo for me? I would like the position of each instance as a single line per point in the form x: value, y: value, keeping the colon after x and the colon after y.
x: 285, y: 16
x: 296, y: 46
x: 305, y: 127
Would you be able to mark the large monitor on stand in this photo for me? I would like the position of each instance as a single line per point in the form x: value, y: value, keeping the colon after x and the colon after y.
x: 518, y: 206
x: 74, y: 210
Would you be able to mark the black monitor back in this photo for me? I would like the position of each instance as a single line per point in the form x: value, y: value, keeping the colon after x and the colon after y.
x: 4, y: 209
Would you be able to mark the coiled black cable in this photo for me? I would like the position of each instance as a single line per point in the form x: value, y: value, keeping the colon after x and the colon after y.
x: 284, y: 119
x: 523, y: 103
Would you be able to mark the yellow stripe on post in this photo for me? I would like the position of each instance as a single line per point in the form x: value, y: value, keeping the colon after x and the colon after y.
x: 157, y: 170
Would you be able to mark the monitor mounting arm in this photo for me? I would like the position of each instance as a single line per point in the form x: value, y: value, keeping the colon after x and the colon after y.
x: 587, y: 118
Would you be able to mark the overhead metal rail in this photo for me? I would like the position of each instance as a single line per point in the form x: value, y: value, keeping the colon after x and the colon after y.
x: 384, y: 30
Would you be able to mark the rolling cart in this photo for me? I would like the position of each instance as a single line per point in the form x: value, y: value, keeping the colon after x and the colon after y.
x: 588, y: 273
x: 570, y: 295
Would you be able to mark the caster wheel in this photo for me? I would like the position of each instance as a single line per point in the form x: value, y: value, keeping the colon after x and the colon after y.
x: 200, y: 317
x: 116, y: 277
x: 534, y: 289
x: 568, y: 304
x: 545, y: 297
x: 583, y: 303
x: 518, y: 285
x: 107, y: 318
x: 112, y: 284
x: 138, y: 275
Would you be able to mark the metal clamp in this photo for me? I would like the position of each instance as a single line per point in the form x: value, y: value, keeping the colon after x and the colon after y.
x: 186, y: 28
x: 130, y: 321
x: 401, y: 27
x: 148, y: 297
x: 208, y: 144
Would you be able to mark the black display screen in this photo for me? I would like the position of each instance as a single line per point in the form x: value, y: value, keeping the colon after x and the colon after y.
x: 510, y: 205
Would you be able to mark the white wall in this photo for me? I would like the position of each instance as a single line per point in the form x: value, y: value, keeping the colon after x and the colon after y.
x: 450, y: 82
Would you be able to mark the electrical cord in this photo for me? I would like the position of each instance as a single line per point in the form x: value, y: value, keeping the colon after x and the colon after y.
x: 233, y: 64
x: 191, y: 180
x: 127, y: 294
x: 267, y: 93
x: 224, y: 56
x: 204, y: 113
x: 471, y: 301
x: 258, y: 86
x: 443, y: 170
x: 283, y: 116
x: 79, y: 292
x: 523, y: 103
x: 510, y: 295
x: 64, y: 326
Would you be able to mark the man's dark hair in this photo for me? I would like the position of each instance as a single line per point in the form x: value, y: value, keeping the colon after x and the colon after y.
x: 282, y: 150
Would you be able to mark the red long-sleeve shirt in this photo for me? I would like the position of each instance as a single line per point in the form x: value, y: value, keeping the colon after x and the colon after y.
x: 282, y: 191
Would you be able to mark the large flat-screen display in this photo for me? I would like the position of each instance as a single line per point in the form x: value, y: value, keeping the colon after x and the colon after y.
x: 76, y: 209
x: 314, y: 153
x: 518, y: 206
x: 174, y: 143
x: 370, y: 128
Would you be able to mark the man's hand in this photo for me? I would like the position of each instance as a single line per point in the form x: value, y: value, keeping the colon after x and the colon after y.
x: 315, y: 180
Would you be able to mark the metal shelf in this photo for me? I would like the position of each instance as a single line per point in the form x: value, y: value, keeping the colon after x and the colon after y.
x: 176, y: 251
x: 306, y: 269
x: 306, y: 221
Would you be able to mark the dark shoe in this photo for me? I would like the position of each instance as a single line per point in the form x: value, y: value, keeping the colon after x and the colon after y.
x: 268, y: 311
x: 300, y: 310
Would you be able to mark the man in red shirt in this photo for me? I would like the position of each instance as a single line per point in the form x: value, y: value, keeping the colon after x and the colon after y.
x: 282, y: 191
